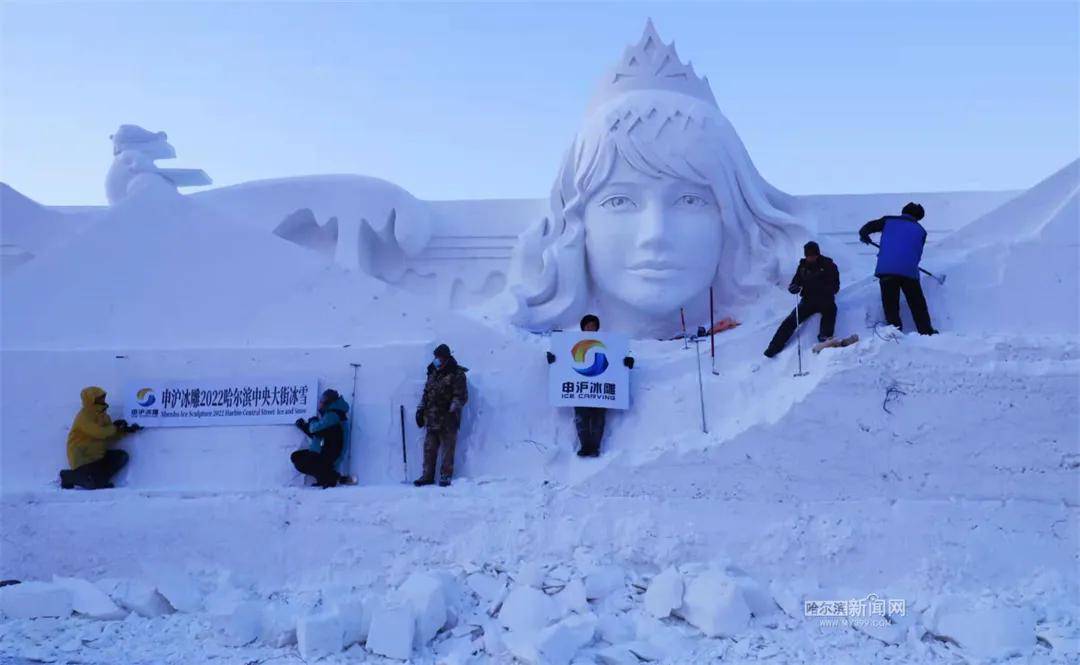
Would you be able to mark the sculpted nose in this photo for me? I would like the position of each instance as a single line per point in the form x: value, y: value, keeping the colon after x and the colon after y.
x: 653, y: 231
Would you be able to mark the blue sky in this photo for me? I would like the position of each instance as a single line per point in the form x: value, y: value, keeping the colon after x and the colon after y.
x: 480, y: 100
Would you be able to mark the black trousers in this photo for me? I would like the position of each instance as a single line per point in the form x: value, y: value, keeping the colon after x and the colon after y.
x: 98, y: 474
x: 807, y: 308
x: 590, y: 428
x: 891, y: 286
x: 319, y: 464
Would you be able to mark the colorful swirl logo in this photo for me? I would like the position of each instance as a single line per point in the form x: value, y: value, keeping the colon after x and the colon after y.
x: 145, y: 397
x: 580, y: 351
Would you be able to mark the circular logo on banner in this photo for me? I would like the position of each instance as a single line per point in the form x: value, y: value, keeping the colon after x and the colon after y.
x: 145, y: 397
x: 580, y: 352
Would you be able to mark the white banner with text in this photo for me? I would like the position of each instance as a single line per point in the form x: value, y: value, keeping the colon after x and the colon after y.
x: 220, y: 402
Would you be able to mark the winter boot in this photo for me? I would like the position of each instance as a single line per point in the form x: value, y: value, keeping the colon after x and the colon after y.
x: 423, y: 481
x: 444, y: 482
x: 71, y: 478
x: 824, y: 338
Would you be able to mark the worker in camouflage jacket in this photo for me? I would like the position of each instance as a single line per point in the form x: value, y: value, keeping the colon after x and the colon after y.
x: 445, y: 395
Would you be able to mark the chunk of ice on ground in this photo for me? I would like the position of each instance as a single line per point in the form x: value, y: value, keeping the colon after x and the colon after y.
x: 558, y: 644
x: 425, y: 594
x: 615, y: 628
x: 714, y: 604
x: 665, y: 593
x: 489, y: 589
x: 392, y: 631
x: 987, y: 633
x: 136, y: 596
x: 319, y: 635
x: 555, y: 645
x: 32, y: 600
x: 355, y: 619
x: 181, y: 590
x: 572, y: 597
x: 88, y: 600
x: 527, y: 610
x: 240, y: 625
x: 603, y: 581
x: 278, y: 627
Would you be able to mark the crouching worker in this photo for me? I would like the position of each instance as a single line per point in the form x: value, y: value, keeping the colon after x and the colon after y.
x: 445, y: 394
x: 329, y: 439
x: 589, y: 420
x: 93, y: 463
x: 818, y: 281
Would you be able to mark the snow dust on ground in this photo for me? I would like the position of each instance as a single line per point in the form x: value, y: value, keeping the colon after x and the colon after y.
x: 932, y: 480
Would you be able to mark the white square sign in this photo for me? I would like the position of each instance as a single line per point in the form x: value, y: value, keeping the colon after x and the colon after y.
x: 589, y: 371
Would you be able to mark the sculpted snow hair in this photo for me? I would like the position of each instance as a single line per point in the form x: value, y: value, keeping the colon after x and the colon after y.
x: 659, y: 133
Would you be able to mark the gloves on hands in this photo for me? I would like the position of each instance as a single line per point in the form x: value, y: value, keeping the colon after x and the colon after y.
x: 123, y: 426
x: 628, y: 362
x: 794, y: 288
x: 864, y: 240
x: 550, y: 357
x: 419, y: 417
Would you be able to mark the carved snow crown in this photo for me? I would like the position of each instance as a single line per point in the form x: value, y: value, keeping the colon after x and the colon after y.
x: 652, y: 65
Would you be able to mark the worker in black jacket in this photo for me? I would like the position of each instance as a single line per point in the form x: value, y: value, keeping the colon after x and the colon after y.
x: 818, y: 282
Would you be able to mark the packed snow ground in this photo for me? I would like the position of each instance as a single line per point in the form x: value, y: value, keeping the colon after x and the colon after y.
x: 939, y: 471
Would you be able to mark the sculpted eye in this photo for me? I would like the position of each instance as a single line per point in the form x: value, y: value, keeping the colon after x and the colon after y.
x: 692, y: 201
x: 618, y: 202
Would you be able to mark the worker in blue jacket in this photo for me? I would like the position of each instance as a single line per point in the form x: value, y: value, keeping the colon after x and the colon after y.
x: 902, y: 241
x: 329, y: 435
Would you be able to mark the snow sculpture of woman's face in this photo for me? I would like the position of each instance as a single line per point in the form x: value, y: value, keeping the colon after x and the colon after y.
x: 655, y: 201
x: 651, y: 241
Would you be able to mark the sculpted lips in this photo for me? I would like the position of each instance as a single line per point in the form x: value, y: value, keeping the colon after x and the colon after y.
x: 655, y: 267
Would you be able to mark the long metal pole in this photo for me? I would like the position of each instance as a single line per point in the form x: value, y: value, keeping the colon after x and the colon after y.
x: 404, y: 458
x: 712, y: 331
x: 700, y: 385
x: 798, y: 336
x: 352, y: 405
x: 682, y: 316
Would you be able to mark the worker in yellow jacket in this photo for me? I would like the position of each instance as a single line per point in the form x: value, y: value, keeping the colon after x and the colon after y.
x: 93, y: 463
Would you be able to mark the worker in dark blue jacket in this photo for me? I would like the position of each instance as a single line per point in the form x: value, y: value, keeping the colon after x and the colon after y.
x: 902, y: 241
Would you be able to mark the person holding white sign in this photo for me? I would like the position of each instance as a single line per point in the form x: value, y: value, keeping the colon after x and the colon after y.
x: 93, y: 463
x: 329, y: 437
x: 589, y: 420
